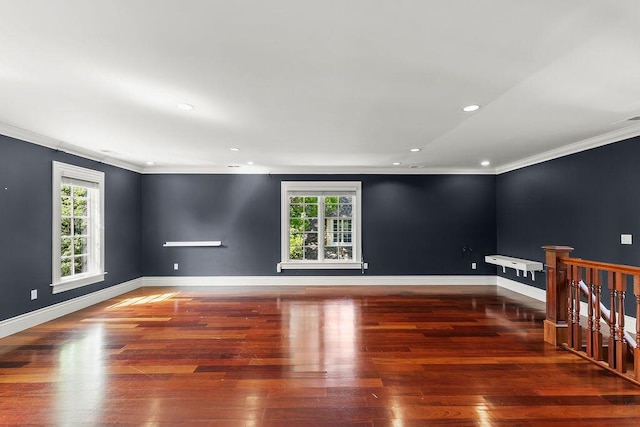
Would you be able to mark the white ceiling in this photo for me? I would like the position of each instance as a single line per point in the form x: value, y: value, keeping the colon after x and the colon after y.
x: 322, y: 85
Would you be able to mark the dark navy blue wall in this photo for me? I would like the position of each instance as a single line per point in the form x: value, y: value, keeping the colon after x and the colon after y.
x: 25, y: 226
x: 585, y: 200
x: 412, y: 224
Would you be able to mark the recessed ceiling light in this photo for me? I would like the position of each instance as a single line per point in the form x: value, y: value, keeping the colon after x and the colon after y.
x: 396, y: 163
x: 150, y: 163
x: 234, y: 149
x: 470, y: 108
x: 415, y: 150
x: 250, y: 163
x: 485, y: 163
x: 185, y: 107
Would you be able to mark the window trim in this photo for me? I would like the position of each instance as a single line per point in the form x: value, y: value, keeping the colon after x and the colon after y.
x: 60, y: 171
x: 326, y: 188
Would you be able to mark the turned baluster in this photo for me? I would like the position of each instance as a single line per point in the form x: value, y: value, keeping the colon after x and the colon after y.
x: 636, y: 351
x: 612, y: 319
x: 589, y: 335
x: 621, y: 342
x: 597, y: 334
x: 570, y: 310
x: 577, y: 329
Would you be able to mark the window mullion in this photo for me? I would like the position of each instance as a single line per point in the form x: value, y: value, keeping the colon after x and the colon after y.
x: 321, y: 232
x: 73, y: 231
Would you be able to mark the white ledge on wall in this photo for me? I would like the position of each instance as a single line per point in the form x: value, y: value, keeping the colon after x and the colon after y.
x: 193, y: 243
x: 519, y: 264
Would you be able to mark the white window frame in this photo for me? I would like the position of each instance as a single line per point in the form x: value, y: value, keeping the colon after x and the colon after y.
x: 321, y: 188
x: 63, y: 171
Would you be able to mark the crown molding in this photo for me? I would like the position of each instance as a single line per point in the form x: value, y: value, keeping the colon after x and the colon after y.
x: 55, y: 144
x: 257, y: 170
x: 586, y: 144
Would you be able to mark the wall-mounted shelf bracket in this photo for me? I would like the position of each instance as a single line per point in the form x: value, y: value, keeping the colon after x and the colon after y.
x: 519, y: 264
x: 193, y: 243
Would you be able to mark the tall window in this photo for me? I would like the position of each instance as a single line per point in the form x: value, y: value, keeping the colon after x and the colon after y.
x: 78, y: 231
x: 321, y: 225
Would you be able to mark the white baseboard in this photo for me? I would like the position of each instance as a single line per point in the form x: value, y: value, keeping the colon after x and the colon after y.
x: 36, y: 317
x: 317, y: 280
x: 541, y: 295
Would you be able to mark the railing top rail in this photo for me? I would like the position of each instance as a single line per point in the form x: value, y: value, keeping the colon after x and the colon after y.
x: 617, y: 268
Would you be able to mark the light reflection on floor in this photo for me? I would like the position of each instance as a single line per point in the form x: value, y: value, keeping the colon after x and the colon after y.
x: 82, y: 375
x: 148, y: 299
x: 322, y: 336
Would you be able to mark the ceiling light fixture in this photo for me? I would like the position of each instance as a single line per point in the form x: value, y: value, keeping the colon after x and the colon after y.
x: 234, y: 149
x: 470, y: 108
x: 485, y: 163
x: 185, y: 107
x: 396, y: 163
x: 150, y: 163
x: 250, y: 163
x: 415, y: 150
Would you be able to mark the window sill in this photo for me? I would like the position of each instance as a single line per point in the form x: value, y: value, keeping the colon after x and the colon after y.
x: 79, y: 282
x: 292, y: 265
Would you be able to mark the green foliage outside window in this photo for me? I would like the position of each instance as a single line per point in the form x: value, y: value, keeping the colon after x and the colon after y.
x: 73, y: 230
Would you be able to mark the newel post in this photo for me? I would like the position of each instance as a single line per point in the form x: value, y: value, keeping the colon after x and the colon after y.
x: 555, y: 325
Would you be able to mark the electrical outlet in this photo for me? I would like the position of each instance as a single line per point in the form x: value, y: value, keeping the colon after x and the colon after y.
x: 626, y: 239
x: 175, y: 266
x: 34, y: 294
x: 473, y: 266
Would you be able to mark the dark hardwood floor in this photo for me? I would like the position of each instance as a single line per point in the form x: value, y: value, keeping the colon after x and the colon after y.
x: 319, y: 356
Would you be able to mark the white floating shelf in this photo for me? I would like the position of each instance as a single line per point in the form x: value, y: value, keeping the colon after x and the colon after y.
x: 519, y: 264
x: 194, y: 243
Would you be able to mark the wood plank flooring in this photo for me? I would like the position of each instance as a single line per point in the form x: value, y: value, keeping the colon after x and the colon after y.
x: 297, y: 356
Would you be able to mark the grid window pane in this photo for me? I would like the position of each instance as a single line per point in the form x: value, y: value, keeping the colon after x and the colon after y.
x: 295, y: 253
x: 311, y: 253
x: 66, y: 206
x: 79, y: 207
x: 65, y: 246
x: 331, y: 252
x: 296, y: 225
x: 345, y: 210
x: 311, y: 239
x: 65, y: 227
x: 80, y: 226
x: 65, y: 267
x: 311, y: 224
x: 80, y: 265
x: 74, y: 230
x: 79, y: 245
x: 310, y: 215
x: 330, y: 210
x: 346, y: 252
x: 295, y: 211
